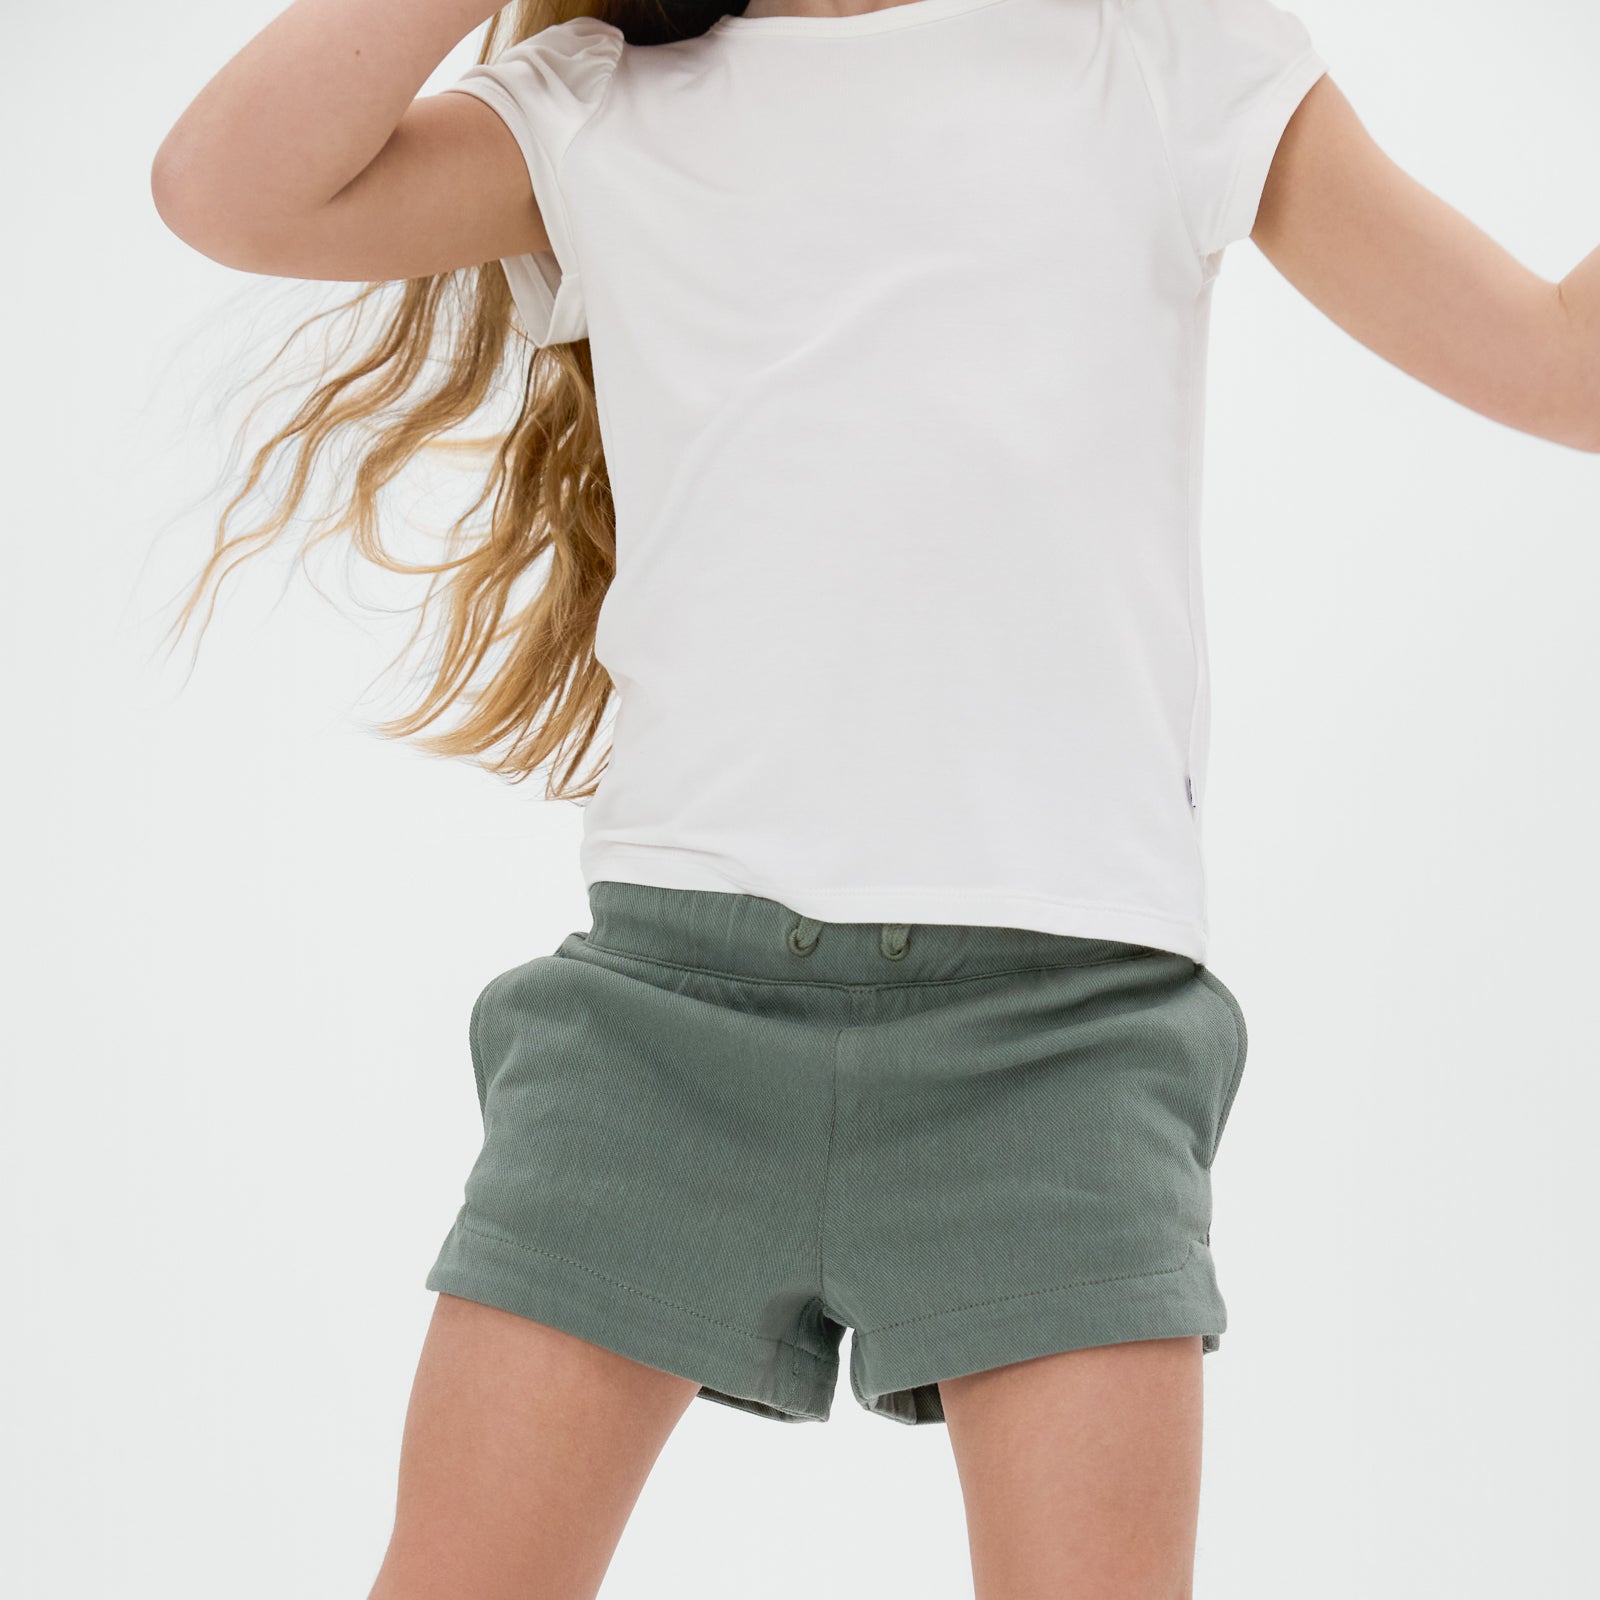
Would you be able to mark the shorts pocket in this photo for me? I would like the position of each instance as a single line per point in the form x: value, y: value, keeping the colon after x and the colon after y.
x: 475, y: 1045
x: 516, y: 1016
x: 1241, y: 1050
x: 493, y: 997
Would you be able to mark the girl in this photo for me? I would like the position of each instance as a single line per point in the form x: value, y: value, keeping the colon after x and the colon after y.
x: 860, y: 350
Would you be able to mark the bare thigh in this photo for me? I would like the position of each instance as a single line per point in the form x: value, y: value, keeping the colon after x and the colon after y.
x: 1081, y: 1472
x: 523, y: 1454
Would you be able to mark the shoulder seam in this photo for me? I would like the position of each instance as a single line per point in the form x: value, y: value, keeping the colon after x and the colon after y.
x: 1131, y: 35
x: 599, y: 105
x: 620, y: 44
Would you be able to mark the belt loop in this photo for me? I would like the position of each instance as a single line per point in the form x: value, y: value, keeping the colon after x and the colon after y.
x: 894, y: 940
x: 803, y: 936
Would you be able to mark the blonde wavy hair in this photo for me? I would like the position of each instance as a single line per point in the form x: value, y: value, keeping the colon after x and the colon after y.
x: 523, y: 670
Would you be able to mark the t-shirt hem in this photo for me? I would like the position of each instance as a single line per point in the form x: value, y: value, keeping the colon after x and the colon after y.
x: 912, y: 903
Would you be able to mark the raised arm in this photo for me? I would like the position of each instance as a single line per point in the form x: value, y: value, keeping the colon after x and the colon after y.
x: 310, y: 154
x: 1418, y: 283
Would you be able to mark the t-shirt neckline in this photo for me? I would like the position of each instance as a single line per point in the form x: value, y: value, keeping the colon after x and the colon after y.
x: 903, y: 14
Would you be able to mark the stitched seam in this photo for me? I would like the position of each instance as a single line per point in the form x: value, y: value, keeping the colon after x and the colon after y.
x: 1131, y: 34
x: 566, y: 150
x: 827, y: 1158
x: 1200, y: 666
x: 644, y: 1294
x: 1235, y: 1021
x: 490, y: 90
x: 475, y: 1049
x: 1194, y: 408
x: 1033, y: 1294
x: 830, y: 983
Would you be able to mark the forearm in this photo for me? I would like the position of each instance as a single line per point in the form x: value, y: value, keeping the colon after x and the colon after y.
x: 1580, y: 294
x: 303, y: 108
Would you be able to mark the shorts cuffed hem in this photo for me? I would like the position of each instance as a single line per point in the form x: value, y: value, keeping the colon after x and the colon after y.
x: 895, y: 1370
x: 766, y: 1377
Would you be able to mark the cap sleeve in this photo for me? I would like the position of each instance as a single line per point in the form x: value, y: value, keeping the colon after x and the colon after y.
x: 546, y: 88
x: 1225, y: 77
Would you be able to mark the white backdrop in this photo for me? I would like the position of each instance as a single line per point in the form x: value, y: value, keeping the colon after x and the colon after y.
x: 243, y: 932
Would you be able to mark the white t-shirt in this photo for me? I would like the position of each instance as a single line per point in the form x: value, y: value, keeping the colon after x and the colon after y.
x: 899, y: 326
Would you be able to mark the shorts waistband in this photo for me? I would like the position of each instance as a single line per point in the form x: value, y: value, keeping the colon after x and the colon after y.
x: 752, y: 936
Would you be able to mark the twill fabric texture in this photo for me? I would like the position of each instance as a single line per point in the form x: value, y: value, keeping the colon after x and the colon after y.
x: 719, y: 1133
x: 898, y: 324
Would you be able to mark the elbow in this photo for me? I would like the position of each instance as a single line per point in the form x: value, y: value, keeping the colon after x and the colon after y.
x: 197, y: 207
x: 1589, y: 434
x: 1583, y: 427
x: 1568, y: 415
x: 174, y: 190
x: 1574, y: 427
x: 179, y: 194
x: 1581, y: 375
x: 1583, y: 430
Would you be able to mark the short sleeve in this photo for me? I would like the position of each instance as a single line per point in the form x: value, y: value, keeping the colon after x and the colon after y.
x: 545, y: 88
x: 1225, y: 77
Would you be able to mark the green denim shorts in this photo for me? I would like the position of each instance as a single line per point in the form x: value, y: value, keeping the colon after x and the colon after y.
x: 718, y: 1133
